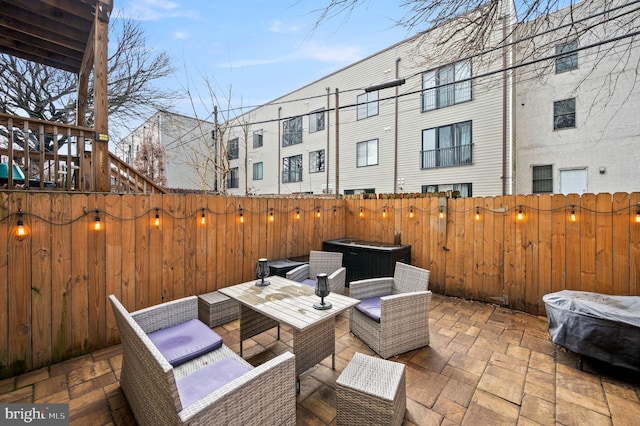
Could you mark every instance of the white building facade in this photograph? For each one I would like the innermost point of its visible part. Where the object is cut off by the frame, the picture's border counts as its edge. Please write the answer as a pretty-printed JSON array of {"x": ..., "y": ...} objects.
[
  {"x": 189, "y": 145},
  {"x": 577, "y": 114}
]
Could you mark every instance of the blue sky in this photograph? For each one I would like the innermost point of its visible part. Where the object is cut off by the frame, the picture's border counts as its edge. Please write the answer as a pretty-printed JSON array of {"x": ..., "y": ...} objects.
[{"x": 259, "y": 49}]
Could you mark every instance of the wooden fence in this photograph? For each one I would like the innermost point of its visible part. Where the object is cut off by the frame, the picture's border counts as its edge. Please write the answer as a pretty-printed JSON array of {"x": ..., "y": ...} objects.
[{"x": 54, "y": 281}]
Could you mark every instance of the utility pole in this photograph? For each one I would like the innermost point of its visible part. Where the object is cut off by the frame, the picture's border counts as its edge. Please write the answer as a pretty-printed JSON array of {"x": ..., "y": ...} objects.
[{"x": 337, "y": 142}]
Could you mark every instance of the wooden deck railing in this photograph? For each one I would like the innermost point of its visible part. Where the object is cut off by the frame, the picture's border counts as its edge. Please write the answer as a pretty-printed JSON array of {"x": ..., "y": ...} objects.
[{"x": 54, "y": 156}]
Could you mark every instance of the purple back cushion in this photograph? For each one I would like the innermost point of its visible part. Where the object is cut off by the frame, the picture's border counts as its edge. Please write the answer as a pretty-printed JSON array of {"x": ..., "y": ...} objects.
[
  {"x": 309, "y": 282},
  {"x": 370, "y": 306},
  {"x": 196, "y": 386},
  {"x": 185, "y": 341}
]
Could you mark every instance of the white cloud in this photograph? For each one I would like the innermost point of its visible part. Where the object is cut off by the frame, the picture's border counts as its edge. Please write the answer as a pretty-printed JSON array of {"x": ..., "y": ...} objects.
[
  {"x": 331, "y": 54},
  {"x": 180, "y": 35},
  {"x": 276, "y": 26},
  {"x": 154, "y": 10}
]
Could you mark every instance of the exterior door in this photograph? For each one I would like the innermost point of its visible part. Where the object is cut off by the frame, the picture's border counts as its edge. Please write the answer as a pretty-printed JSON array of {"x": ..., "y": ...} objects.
[{"x": 573, "y": 181}]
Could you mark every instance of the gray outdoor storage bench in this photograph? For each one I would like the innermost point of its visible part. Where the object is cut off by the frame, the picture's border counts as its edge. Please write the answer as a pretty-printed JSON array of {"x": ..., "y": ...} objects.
[{"x": 175, "y": 372}]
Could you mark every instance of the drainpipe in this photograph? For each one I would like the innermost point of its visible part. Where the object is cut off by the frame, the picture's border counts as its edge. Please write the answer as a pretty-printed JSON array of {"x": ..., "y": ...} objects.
[
  {"x": 504, "y": 105},
  {"x": 337, "y": 143},
  {"x": 395, "y": 133},
  {"x": 279, "y": 144},
  {"x": 326, "y": 157}
]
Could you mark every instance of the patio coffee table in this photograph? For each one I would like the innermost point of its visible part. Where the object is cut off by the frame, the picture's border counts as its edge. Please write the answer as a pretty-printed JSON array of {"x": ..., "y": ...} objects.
[{"x": 291, "y": 303}]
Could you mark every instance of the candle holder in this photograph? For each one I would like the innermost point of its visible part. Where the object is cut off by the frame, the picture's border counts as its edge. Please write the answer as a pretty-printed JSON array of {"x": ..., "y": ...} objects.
[
  {"x": 262, "y": 271},
  {"x": 322, "y": 291}
]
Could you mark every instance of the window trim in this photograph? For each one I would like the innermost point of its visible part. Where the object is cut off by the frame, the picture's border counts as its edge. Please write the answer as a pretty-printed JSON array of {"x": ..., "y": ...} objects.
[
  {"x": 377, "y": 160},
  {"x": 437, "y": 148},
  {"x": 367, "y": 107},
  {"x": 233, "y": 149},
  {"x": 534, "y": 180},
  {"x": 570, "y": 58},
  {"x": 314, "y": 118},
  {"x": 311, "y": 157},
  {"x": 261, "y": 170},
  {"x": 288, "y": 175},
  {"x": 288, "y": 133},
  {"x": 233, "y": 177},
  {"x": 258, "y": 133},
  {"x": 556, "y": 116},
  {"x": 451, "y": 88}
]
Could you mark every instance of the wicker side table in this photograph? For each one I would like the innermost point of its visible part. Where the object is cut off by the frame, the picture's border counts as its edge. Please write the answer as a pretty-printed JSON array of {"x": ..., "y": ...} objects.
[
  {"x": 371, "y": 391},
  {"x": 215, "y": 308}
]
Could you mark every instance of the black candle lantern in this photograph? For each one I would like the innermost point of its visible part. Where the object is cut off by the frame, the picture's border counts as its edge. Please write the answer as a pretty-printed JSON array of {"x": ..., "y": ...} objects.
[
  {"x": 262, "y": 271},
  {"x": 322, "y": 291}
]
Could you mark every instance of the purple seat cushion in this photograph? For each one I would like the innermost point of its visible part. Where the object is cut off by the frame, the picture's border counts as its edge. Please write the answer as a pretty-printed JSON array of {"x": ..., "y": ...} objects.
[
  {"x": 370, "y": 306},
  {"x": 309, "y": 282},
  {"x": 185, "y": 341},
  {"x": 197, "y": 385}
]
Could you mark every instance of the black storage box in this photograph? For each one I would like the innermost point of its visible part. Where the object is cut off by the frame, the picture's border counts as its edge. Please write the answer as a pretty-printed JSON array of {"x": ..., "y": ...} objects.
[{"x": 368, "y": 259}]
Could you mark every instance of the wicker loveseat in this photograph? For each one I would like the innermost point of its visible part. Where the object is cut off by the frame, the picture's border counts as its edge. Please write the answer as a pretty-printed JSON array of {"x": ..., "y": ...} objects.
[
  {"x": 393, "y": 315},
  {"x": 326, "y": 262},
  {"x": 156, "y": 390}
]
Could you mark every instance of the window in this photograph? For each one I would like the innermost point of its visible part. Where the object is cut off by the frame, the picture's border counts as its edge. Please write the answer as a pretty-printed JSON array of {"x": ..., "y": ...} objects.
[
  {"x": 257, "y": 171},
  {"x": 463, "y": 189},
  {"x": 316, "y": 121},
  {"x": 446, "y": 86},
  {"x": 292, "y": 169},
  {"x": 564, "y": 114},
  {"x": 360, "y": 191},
  {"x": 292, "y": 131},
  {"x": 257, "y": 138},
  {"x": 542, "y": 179},
  {"x": 316, "y": 161},
  {"x": 367, "y": 153},
  {"x": 367, "y": 105},
  {"x": 232, "y": 149},
  {"x": 446, "y": 146},
  {"x": 569, "y": 61},
  {"x": 233, "y": 178}
]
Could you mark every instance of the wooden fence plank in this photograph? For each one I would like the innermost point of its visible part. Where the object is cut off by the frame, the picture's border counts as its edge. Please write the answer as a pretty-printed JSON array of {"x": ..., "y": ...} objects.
[
  {"x": 559, "y": 217},
  {"x": 603, "y": 273},
  {"x": 543, "y": 218},
  {"x": 144, "y": 226},
  {"x": 113, "y": 260},
  {"x": 588, "y": 242},
  {"x": 155, "y": 252},
  {"x": 5, "y": 230},
  {"x": 529, "y": 223},
  {"x": 130, "y": 254},
  {"x": 572, "y": 241},
  {"x": 62, "y": 251},
  {"x": 96, "y": 285},
  {"x": 79, "y": 276},
  {"x": 41, "y": 278},
  {"x": 634, "y": 245}
]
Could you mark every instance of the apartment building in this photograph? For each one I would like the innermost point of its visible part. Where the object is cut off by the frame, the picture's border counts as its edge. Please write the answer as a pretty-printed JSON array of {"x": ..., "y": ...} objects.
[
  {"x": 577, "y": 126},
  {"x": 396, "y": 121}
]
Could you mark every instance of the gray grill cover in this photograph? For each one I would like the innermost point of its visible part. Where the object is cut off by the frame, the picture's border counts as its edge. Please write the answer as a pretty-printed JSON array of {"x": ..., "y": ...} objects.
[{"x": 600, "y": 326}]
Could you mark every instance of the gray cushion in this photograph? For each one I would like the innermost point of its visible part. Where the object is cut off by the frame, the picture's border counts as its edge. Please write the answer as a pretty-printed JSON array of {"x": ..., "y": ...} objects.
[
  {"x": 185, "y": 341},
  {"x": 370, "y": 306},
  {"x": 196, "y": 386}
]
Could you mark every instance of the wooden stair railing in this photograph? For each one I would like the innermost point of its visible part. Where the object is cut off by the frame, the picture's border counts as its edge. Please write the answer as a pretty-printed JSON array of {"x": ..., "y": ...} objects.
[{"x": 124, "y": 178}]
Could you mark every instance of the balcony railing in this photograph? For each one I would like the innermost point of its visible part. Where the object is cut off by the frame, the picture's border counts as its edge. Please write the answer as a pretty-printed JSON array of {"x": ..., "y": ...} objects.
[
  {"x": 460, "y": 155},
  {"x": 55, "y": 156}
]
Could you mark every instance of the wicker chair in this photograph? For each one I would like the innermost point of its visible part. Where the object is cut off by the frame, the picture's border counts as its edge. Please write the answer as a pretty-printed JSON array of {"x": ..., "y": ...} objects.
[
  {"x": 327, "y": 262},
  {"x": 403, "y": 302},
  {"x": 262, "y": 395}
]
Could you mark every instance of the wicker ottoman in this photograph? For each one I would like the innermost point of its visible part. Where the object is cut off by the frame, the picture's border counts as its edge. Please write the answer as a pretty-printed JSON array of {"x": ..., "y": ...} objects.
[
  {"x": 371, "y": 391},
  {"x": 215, "y": 308}
]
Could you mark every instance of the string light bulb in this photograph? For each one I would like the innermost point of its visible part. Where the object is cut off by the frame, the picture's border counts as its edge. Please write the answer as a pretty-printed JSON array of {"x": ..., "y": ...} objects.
[
  {"x": 441, "y": 208},
  {"x": 519, "y": 215},
  {"x": 638, "y": 214},
  {"x": 271, "y": 218},
  {"x": 410, "y": 212},
  {"x": 318, "y": 212},
  {"x": 335, "y": 211},
  {"x": 97, "y": 225},
  {"x": 573, "y": 212},
  {"x": 477, "y": 213},
  {"x": 361, "y": 212},
  {"x": 297, "y": 213},
  {"x": 203, "y": 219},
  {"x": 156, "y": 221},
  {"x": 21, "y": 231},
  {"x": 384, "y": 212},
  {"x": 241, "y": 218}
]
